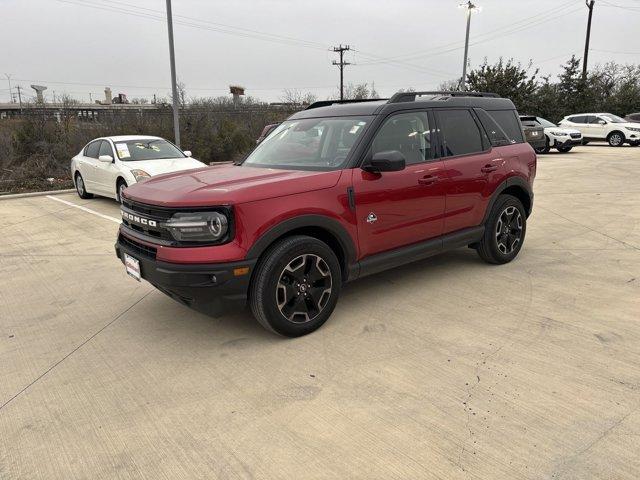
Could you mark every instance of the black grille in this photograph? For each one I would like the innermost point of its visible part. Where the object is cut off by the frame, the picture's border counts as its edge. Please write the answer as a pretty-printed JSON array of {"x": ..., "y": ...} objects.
[
  {"x": 139, "y": 248},
  {"x": 148, "y": 212},
  {"x": 576, "y": 135}
]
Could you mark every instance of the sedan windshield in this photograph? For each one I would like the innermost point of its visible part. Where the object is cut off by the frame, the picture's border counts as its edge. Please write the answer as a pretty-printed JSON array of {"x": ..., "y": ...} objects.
[
  {"x": 147, "y": 149},
  {"x": 309, "y": 144}
]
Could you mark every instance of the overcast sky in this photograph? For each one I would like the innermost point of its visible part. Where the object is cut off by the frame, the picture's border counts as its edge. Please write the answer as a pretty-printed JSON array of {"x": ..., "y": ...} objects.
[{"x": 81, "y": 46}]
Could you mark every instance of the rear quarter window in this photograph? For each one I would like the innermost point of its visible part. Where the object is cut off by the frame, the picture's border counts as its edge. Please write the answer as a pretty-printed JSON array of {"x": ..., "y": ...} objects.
[{"x": 510, "y": 124}]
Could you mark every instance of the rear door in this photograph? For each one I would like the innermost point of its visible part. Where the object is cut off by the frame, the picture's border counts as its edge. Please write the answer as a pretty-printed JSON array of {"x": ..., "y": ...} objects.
[
  {"x": 88, "y": 163},
  {"x": 395, "y": 209},
  {"x": 474, "y": 169}
]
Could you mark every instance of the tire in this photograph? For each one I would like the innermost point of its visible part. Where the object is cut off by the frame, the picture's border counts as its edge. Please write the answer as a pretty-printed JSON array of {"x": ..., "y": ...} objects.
[
  {"x": 564, "y": 149},
  {"x": 616, "y": 139},
  {"x": 545, "y": 149},
  {"x": 634, "y": 144},
  {"x": 120, "y": 185},
  {"x": 81, "y": 190},
  {"x": 290, "y": 268},
  {"x": 494, "y": 247}
]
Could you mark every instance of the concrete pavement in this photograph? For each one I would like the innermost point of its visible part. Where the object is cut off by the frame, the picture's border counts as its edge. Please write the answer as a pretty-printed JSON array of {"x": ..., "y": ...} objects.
[{"x": 447, "y": 368}]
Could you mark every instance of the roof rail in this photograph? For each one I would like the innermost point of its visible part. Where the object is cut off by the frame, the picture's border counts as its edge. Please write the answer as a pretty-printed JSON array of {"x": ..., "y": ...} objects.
[
  {"x": 326, "y": 103},
  {"x": 411, "y": 96}
]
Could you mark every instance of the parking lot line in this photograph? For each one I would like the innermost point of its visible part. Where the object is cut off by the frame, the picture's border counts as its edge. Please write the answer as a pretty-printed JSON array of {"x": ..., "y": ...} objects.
[{"x": 85, "y": 209}]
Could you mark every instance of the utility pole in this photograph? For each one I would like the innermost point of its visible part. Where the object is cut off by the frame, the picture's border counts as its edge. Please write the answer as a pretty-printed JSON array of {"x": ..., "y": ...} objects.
[
  {"x": 10, "y": 90},
  {"x": 19, "y": 97},
  {"x": 341, "y": 64},
  {"x": 589, "y": 4},
  {"x": 174, "y": 85},
  {"x": 470, "y": 7}
]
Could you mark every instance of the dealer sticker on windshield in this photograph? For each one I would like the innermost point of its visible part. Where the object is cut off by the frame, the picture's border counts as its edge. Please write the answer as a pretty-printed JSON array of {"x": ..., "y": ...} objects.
[
  {"x": 132, "y": 266},
  {"x": 123, "y": 150}
]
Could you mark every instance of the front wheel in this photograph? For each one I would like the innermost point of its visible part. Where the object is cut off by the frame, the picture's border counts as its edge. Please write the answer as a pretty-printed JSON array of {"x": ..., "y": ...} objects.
[
  {"x": 504, "y": 231},
  {"x": 564, "y": 149},
  {"x": 545, "y": 149},
  {"x": 295, "y": 286},
  {"x": 119, "y": 189},
  {"x": 615, "y": 139}
]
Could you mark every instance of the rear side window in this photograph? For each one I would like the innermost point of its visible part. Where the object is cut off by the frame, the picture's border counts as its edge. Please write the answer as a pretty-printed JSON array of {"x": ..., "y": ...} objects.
[
  {"x": 497, "y": 135},
  {"x": 92, "y": 149},
  {"x": 459, "y": 133},
  {"x": 510, "y": 123}
]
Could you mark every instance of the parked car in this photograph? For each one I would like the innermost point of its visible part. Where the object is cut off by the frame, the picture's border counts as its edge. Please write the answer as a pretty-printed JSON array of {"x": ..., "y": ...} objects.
[
  {"x": 604, "y": 127},
  {"x": 562, "y": 139},
  {"x": 343, "y": 190},
  {"x": 633, "y": 117},
  {"x": 533, "y": 132},
  {"x": 108, "y": 165},
  {"x": 266, "y": 131}
]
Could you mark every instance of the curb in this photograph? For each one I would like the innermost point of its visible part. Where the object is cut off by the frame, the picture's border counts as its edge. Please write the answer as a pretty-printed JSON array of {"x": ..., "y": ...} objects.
[{"x": 36, "y": 194}]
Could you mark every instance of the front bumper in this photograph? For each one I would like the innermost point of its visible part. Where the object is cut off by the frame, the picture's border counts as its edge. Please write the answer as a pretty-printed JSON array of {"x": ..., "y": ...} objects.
[
  {"x": 208, "y": 288},
  {"x": 566, "y": 141}
]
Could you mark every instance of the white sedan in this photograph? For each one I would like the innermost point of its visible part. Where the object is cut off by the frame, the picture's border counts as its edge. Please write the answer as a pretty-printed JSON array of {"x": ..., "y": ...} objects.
[{"x": 108, "y": 165}]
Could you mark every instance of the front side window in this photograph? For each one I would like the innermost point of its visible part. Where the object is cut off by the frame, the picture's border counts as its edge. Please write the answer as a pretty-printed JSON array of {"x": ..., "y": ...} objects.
[
  {"x": 147, "y": 149},
  {"x": 105, "y": 149},
  {"x": 407, "y": 133},
  {"x": 309, "y": 144},
  {"x": 510, "y": 123},
  {"x": 459, "y": 133}
]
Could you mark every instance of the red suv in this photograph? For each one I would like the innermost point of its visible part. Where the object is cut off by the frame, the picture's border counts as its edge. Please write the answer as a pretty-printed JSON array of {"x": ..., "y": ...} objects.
[{"x": 336, "y": 192}]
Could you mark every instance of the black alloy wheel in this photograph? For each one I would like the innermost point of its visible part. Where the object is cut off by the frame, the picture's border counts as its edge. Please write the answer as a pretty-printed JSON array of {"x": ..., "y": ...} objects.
[
  {"x": 509, "y": 230},
  {"x": 304, "y": 288}
]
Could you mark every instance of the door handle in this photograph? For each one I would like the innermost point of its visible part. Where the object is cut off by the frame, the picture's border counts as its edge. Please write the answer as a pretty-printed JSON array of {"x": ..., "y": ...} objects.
[
  {"x": 489, "y": 168},
  {"x": 428, "y": 180}
]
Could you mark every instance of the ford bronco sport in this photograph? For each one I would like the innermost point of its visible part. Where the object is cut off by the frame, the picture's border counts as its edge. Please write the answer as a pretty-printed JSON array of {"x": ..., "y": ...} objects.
[{"x": 336, "y": 192}]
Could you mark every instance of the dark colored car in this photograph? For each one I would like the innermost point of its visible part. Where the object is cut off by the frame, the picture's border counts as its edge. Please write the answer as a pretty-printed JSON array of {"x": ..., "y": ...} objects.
[
  {"x": 343, "y": 190},
  {"x": 533, "y": 132},
  {"x": 266, "y": 131}
]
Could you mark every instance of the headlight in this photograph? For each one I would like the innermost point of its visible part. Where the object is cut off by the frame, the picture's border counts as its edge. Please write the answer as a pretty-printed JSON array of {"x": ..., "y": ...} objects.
[
  {"x": 559, "y": 134},
  {"x": 633, "y": 129},
  {"x": 140, "y": 175},
  {"x": 202, "y": 227}
]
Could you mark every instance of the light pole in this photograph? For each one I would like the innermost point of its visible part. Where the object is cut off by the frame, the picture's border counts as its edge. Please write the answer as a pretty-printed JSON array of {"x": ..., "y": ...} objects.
[
  {"x": 174, "y": 86},
  {"x": 470, "y": 7}
]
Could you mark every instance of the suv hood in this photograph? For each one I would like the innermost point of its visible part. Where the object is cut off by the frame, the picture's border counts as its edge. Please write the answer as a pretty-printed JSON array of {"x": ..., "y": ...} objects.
[
  {"x": 164, "y": 165},
  {"x": 227, "y": 184}
]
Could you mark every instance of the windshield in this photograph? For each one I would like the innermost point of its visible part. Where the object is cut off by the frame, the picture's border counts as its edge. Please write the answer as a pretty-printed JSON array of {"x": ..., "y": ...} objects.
[
  {"x": 613, "y": 118},
  {"x": 545, "y": 123},
  {"x": 147, "y": 149},
  {"x": 309, "y": 144}
]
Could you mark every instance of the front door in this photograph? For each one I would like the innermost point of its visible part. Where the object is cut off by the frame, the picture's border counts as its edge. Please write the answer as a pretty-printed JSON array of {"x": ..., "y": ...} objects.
[
  {"x": 106, "y": 172},
  {"x": 88, "y": 164},
  {"x": 394, "y": 209},
  {"x": 473, "y": 168}
]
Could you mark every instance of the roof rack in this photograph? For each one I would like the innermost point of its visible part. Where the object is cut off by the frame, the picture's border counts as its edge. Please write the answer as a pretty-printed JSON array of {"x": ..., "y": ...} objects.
[
  {"x": 326, "y": 103},
  {"x": 411, "y": 96}
]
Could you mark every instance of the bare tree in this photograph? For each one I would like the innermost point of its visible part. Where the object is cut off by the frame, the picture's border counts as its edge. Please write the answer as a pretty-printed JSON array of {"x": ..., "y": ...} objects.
[{"x": 297, "y": 97}]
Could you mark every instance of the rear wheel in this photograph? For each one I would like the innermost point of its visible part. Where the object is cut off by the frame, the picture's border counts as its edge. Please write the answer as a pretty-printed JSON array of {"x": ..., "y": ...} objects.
[
  {"x": 616, "y": 139},
  {"x": 81, "y": 188},
  {"x": 564, "y": 149},
  {"x": 295, "y": 286},
  {"x": 504, "y": 231}
]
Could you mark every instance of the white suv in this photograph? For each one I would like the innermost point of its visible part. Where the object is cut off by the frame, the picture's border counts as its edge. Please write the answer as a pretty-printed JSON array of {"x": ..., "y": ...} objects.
[{"x": 604, "y": 127}]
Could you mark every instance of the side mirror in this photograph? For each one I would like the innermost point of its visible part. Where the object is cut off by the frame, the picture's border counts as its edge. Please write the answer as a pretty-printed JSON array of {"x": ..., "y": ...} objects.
[
  {"x": 187, "y": 153},
  {"x": 105, "y": 158},
  {"x": 389, "y": 161},
  {"x": 601, "y": 122}
]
